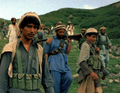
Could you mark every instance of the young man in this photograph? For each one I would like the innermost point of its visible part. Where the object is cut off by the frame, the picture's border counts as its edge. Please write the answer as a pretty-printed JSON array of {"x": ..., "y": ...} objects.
[
  {"x": 81, "y": 40},
  {"x": 40, "y": 36},
  {"x": 104, "y": 44},
  {"x": 23, "y": 66},
  {"x": 12, "y": 30},
  {"x": 56, "y": 50},
  {"x": 89, "y": 65}
]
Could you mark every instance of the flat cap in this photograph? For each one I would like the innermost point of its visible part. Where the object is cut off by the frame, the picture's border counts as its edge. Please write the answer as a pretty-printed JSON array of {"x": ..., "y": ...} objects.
[
  {"x": 58, "y": 27},
  {"x": 83, "y": 29},
  {"x": 91, "y": 30},
  {"x": 69, "y": 22},
  {"x": 28, "y": 14},
  {"x": 103, "y": 28}
]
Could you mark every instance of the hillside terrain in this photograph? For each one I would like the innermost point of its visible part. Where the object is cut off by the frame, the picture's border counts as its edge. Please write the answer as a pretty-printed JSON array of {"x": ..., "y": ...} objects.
[{"x": 107, "y": 16}]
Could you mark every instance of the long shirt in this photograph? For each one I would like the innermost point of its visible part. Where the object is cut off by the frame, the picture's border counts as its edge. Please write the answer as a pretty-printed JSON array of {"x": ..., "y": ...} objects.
[
  {"x": 58, "y": 62},
  {"x": 29, "y": 65},
  {"x": 12, "y": 33}
]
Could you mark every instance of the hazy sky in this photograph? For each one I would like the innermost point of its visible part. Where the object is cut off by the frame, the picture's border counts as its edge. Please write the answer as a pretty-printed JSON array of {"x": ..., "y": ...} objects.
[{"x": 16, "y": 8}]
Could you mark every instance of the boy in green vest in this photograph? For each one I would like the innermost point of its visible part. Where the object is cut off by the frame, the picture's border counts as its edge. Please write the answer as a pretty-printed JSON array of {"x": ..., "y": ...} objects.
[{"x": 89, "y": 65}]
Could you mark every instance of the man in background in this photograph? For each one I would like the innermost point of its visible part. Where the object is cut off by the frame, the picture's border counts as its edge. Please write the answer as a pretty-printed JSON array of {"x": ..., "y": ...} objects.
[
  {"x": 56, "y": 50},
  {"x": 103, "y": 43},
  {"x": 40, "y": 36},
  {"x": 70, "y": 28},
  {"x": 4, "y": 27},
  {"x": 12, "y": 30}
]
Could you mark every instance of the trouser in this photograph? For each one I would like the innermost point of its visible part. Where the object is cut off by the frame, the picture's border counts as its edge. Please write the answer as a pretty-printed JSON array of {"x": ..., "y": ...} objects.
[
  {"x": 61, "y": 81},
  {"x": 88, "y": 86},
  {"x": 3, "y": 33},
  {"x": 105, "y": 59}
]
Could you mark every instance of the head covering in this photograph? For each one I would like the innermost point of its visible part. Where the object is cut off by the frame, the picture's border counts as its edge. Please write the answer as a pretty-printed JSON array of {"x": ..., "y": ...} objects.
[
  {"x": 28, "y": 14},
  {"x": 69, "y": 22},
  {"x": 103, "y": 28},
  {"x": 59, "y": 22},
  {"x": 91, "y": 30},
  {"x": 58, "y": 27},
  {"x": 83, "y": 29}
]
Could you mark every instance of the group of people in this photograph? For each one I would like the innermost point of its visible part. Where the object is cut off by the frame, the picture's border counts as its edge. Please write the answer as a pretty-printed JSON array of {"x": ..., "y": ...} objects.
[{"x": 25, "y": 65}]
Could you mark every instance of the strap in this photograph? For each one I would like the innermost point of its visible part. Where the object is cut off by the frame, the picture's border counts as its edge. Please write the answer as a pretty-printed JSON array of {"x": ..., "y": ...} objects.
[
  {"x": 92, "y": 51},
  {"x": 57, "y": 50},
  {"x": 20, "y": 68},
  {"x": 37, "y": 59}
]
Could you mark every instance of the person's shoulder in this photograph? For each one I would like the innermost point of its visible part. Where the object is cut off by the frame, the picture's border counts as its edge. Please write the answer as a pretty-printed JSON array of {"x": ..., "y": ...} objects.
[
  {"x": 10, "y": 24},
  {"x": 49, "y": 40},
  {"x": 9, "y": 47},
  {"x": 85, "y": 45}
]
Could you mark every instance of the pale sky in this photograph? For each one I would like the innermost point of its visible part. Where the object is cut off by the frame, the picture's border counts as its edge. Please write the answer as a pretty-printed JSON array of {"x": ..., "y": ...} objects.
[{"x": 16, "y": 8}]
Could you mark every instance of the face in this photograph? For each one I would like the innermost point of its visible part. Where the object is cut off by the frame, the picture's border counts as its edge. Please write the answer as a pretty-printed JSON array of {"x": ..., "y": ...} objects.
[
  {"x": 91, "y": 38},
  {"x": 41, "y": 27},
  {"x": 60, "y": 33},
  {"x": 83, "y": 31},
  {"x": 29, "y": 31},
  {"x": 102, "y": 31},
  {"x": 13, "y": 21}
]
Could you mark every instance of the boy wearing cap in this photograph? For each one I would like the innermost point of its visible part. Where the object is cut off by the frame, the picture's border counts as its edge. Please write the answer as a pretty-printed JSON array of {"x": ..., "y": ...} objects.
[
  {"x": 89, "y": 65},
  {"x": 103, "y": 43},
  {"x": 23, "y": 66},
  {"x": 56, "y": 50}
]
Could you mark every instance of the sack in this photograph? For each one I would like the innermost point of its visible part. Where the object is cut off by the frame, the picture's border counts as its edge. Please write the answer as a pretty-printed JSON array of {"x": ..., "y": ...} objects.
[
  {"x": 21, "y": 81},
  {"x": 28, "y": 82}
]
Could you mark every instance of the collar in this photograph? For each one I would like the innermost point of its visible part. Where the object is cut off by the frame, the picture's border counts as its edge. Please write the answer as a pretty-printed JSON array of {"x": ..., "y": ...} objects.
[
  {"x": 56, "y": 38},
  {"x": 90, "y": 44},
  {"x": 103, "y": 35},
  {"x": 19, "y": 42}
]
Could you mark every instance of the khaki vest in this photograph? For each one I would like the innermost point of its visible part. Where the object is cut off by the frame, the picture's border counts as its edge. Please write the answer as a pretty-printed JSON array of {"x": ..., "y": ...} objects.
[{"x": 11, "y": 47}]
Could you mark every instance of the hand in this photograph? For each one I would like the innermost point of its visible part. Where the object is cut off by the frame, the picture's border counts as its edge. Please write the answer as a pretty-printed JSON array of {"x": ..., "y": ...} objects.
[
  {"x": 97, "y": 49},
  {"x": 103, "y": 77},
  {"x": 94, "y": 76},
  {"x": 69, "y": 40},
  {"x": 109, "y": 46}
]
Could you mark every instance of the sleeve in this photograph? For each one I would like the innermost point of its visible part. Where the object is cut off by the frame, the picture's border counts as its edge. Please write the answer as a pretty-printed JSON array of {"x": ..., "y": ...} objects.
[
  {"x": 5, "y": 61},
  {"x": 47, "y": 48},
  {"x": 83, "y": 57},
  {"x": 47, "y": 81},
  {"x": 9, "y": 31},
  {"x": 109, "y": 42},
  {"x": 43, "y": 37}
]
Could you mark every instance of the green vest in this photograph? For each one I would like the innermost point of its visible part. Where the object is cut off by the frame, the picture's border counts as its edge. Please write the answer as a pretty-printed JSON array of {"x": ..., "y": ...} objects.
[
  {"x": 24, "y": 81},
  {"x": 94, "y": 61}
]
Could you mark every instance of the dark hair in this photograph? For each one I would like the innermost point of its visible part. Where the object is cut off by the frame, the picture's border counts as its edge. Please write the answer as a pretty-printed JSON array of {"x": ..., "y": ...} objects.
[
  {"x": 89, "y": 34},
  {"x": 13, "y": 19},
  {"x": 29, "y": 20}
]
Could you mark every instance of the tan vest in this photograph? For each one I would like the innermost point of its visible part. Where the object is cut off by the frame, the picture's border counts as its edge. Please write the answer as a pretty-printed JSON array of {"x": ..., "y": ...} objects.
[{"x": 11, "y": 47}]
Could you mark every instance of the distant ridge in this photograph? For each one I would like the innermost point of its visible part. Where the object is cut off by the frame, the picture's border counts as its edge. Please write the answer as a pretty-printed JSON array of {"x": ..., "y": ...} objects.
[{"x": 117, "y": 4}]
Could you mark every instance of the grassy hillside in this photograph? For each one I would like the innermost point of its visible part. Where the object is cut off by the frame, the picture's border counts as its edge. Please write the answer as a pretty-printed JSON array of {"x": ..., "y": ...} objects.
[
  {"x": 108, "y": 87},
  {"x": 107, "y": 16}
]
